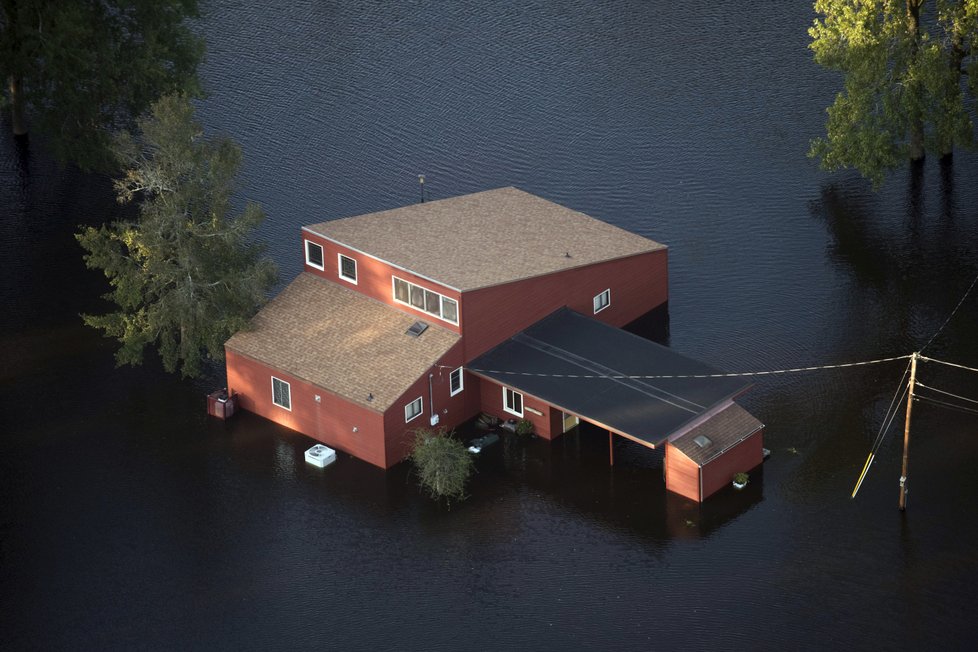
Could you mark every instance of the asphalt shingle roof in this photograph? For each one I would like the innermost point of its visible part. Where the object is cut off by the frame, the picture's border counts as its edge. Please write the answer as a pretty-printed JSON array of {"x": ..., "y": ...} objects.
[
  {"x": 724, "y": 430},
  {"x": 485, "y": 239},
  {"x": 342, "y": 341}
]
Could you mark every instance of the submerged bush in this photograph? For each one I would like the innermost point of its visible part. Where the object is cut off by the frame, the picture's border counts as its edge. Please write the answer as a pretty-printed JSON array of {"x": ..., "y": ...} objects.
[
  {"x": 443, "y": 464},
  {"x": 524, "y": 427}
]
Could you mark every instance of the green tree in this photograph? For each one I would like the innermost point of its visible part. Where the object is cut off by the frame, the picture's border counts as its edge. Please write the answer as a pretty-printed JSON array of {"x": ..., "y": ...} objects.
[
  {"x": 184, "y": 275},
  {"x": 443, "y": 464},
  {"x": 910, "y": 77},
  {"x": 84, "y": 68}
]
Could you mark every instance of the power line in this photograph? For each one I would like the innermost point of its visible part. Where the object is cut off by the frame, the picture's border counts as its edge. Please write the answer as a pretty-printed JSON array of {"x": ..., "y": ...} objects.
[
  {"x": 950, "y": 364},
  {"x": 934, "y": 336},
  {"x": 663, "y": 376},
  {"x": 941, "y": 391},
  {"x": 945, "y": 404}
]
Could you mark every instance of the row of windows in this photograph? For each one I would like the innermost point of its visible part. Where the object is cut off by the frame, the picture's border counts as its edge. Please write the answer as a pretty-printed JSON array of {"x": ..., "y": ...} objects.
[
  {"x": 282, "y": 395},
  {"x": 425, "y": 300},
  {"x": 346, "y": 266}
]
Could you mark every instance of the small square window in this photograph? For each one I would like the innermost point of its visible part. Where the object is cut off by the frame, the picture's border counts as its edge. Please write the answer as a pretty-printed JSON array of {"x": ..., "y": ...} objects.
[
  {"x": 281, "y": 394},
  {"x": 455, "y": 382},
  {"x": 314, "y": 255},
  {"x": 413, "y": 409},
  {"x": 348, "y": 268},
  {"x": 512, "y": 402},
  {"x": 602, "y": 301}
]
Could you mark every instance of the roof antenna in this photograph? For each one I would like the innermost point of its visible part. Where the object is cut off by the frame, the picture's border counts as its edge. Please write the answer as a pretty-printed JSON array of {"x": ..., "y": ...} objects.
[{"x": 421, "y": 181}]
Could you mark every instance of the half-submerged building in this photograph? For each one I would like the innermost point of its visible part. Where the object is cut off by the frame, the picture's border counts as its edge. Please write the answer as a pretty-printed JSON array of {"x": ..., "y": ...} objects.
[{"x": 499, "y": 302}]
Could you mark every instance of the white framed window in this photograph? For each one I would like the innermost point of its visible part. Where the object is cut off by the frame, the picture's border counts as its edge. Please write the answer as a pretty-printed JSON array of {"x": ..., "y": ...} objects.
[
  {"x": 512, "y": 402},
  {"x": 425, "y": 300},
  {"x": 602, "y": 301},
  {"x": 281, "y": 394},
  {"x": 413, "y": 409},
  {"x": 347, "y": 268},
  {"x": 455, "y": 382},
  {"x": 314, "y": 255}
]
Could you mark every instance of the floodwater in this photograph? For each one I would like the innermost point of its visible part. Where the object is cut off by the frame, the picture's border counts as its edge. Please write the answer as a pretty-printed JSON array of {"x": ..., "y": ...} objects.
[{"x": 129, "y": 520}]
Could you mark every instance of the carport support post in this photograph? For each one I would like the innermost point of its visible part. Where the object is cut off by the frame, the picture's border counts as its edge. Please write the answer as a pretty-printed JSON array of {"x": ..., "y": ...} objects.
[{"x": 611, "y": 448}]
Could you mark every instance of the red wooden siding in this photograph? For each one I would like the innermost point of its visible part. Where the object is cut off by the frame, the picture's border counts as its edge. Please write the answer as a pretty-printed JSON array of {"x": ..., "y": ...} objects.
[
  {"x": 638, "y": 284},
  {"x": 374, "y": 278},
  {"x": 546, "y": 425},
  {"x": 745, "y": 456},
  {"x": 683, "y": 474},
  {"x": 331, "y": 420}
]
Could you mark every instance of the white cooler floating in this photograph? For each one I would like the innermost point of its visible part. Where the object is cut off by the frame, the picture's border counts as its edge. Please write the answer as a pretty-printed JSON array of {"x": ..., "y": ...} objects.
[{"x": 321, "y": 455}]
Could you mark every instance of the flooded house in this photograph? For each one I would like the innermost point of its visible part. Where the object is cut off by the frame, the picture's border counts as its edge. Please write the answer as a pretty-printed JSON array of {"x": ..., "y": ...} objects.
[{"x": 496, "y": 302}]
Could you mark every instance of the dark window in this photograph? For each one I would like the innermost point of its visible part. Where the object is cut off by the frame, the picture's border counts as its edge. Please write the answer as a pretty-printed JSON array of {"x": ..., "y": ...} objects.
[
  {"x": 417, "y": 297},
  {"x": 512, "y": 401},
  {"x": 348, "y": 268},
  {"x": 314, "y": 254},
  {"x": 449, "y": 310},
  {"x": 455, "y": 382},
  {"x": 402, "y": 291},
  {"x": 281, "y": 394},
  {"x": 432, "y": 302}
]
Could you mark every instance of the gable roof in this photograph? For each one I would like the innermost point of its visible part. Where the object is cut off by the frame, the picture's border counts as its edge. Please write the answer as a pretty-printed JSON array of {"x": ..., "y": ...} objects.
[
  {"x": 342, "y": 341},
  {"x": 484, "y": 239},
  {"x": 575, "y": 363}
]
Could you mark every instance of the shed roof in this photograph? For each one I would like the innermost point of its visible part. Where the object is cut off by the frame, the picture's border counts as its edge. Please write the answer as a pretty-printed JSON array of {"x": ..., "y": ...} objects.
[
  {"x": 484, "y": 239},
  {"x": 577, "y": 364},
  {"x": 342, "y": 341},
  {"x": 722, "y": 432}
]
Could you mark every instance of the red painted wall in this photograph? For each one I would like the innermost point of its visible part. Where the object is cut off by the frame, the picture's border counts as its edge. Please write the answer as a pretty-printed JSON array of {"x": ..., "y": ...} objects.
[
  {"x": 374, "y": 278},
  {"x": 683, "y": 474},
  {"x": 745, "y": 456},
  {"x": 451, "y": 410},
  {"x": 330, "y": 421},
  {"x": 638, "y": 284},
  {"x": 491, "y": 397}
]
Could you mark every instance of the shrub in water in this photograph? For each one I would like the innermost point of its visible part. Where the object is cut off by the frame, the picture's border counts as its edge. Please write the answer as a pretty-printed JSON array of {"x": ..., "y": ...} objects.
[
  {"x": 443, "y": 464},
  {"x": 524, "y": 427}
]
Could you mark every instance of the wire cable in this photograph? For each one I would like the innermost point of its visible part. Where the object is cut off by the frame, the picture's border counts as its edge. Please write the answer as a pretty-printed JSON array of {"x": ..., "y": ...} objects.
[
  {"x": 934, "y": 336},
  {"x": 724, "y": 375},
  {"x": 941, "y": 391},
  {"x": 950, "y": 364},
  {"x": 942, "y": 403}
]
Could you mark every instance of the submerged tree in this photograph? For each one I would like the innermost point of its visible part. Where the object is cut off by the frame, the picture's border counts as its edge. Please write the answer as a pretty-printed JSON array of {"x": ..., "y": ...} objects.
[
  {"x": 911, "y": 79},
  {"x": 79, "y": 69},
  {"x": 184, "y": 275},
  {"x": 443, "y": 464}
]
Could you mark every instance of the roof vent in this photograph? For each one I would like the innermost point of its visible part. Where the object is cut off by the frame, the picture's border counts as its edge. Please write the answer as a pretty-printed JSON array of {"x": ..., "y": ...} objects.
[
  {"x": 702, "y": 441},
  {"x": 417, "y": 328}
]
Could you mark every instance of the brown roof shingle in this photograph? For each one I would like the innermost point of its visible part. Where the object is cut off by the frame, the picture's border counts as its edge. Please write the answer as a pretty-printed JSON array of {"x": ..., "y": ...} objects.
[
  {"x": 484, "y": 239},
  {"x": 724, "y": 430},
  {"x": 342, "y": 341}
]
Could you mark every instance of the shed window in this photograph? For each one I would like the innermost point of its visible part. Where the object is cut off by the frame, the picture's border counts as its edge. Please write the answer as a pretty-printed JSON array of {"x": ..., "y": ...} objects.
[
  {"x": 314, "y": 255},
  {"x": 281, "y": 394},
  {"x": 348, "y": 268},
  {"x": 602, "y": 301},
  {"x": 413, "y": 409},
  {"x": 512, "y": 402},
  {"x": 455, "y": 382}
]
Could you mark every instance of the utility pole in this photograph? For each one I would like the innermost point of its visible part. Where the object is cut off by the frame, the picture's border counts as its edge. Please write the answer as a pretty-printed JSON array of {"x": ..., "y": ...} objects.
[
  {"x": 906, "y": 432},
  {"x": 421, "y": 181}
]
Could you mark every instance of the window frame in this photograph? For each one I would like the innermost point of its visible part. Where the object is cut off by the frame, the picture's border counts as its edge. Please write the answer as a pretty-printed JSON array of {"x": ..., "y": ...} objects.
[
  {"x": 288, "y": 393},
  {"x": 420, "y": 402},
  {"x": 322, "y": 255},
  {"x": 506, "y": 392},
  {"x": 461, "y": 382},
  {"x": 424, "y": 292},
  {"x": 597, "y": 297},
  {"x": 339, "y": 268}
]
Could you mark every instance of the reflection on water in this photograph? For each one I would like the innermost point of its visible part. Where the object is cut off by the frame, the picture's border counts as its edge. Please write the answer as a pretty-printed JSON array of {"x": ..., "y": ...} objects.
[{"x": 129, "y": 519}]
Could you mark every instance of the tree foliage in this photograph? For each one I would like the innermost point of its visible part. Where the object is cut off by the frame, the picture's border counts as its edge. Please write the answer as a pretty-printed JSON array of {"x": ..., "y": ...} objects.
[
  {"x": 443, "y": 464},
  {"x": 910, "y": 75},
  {"x": 84, "y": 68},
  {"x": 184, "y": 275}
]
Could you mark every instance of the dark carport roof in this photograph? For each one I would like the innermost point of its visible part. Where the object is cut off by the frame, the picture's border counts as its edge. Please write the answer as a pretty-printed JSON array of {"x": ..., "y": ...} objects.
[{"x": 577, "y": 364}]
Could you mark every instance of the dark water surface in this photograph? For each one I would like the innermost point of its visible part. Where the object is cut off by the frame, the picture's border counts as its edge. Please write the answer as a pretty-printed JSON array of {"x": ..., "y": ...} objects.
[{"x": 128, "y": 519}]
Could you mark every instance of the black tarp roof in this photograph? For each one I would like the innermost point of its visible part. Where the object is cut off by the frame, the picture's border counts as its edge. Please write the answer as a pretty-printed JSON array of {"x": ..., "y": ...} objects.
[{"x": 570, "y": 361}]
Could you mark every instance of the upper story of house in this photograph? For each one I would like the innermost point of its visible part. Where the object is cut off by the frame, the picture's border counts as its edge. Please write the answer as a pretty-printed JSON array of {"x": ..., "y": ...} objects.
[{"x": 489, "y": 264}]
